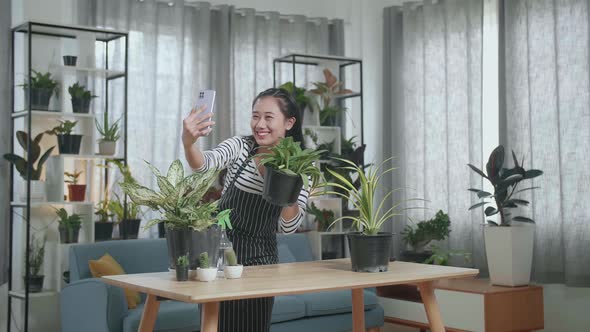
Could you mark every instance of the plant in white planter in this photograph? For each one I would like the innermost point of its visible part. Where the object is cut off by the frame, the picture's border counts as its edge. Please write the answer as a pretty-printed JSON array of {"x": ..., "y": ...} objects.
[
  {"x": 206, "y": 272},
  {"x": 232, "y": 270},
  {"x": 107, "y": 145},
  {"x": 509, "y": 247}
]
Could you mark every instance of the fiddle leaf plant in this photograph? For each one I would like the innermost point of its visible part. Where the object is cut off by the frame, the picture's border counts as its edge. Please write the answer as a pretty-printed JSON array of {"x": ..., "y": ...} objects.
[
  {"x": 34, "y": 164},
  {"x": 505, "y": 182}
]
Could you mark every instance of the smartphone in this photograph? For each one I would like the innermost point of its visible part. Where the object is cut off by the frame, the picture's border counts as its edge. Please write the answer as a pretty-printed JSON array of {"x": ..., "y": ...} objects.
[{"x": 206, "y": 97}]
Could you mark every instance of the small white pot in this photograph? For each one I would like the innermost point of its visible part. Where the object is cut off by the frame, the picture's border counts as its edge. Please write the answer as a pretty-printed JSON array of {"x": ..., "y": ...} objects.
[
  {"x": 233, "y": 271},
  {"x": 509, "y": 251},
  {"x": 208, "y": 274},
  {"x": 107, "y": 148}
]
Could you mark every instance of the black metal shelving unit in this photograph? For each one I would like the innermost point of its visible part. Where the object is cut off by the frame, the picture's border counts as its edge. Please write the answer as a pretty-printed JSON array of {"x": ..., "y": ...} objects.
[{"x": 31, "y": 31}]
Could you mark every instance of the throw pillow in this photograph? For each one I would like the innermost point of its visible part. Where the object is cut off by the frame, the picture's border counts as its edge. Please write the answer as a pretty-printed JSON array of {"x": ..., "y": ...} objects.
[{"x": 108, "y": 266}]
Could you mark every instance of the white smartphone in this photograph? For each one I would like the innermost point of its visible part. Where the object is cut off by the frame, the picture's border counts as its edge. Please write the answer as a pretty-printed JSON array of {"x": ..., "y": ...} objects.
[{"x": 206, "y": 97}]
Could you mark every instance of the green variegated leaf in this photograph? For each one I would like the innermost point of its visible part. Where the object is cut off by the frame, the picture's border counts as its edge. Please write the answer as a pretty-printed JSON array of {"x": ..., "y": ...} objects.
[
  {"x": 165, "y": 187},
  {"x": 175, "y": 172},
  {"x": 154, "y": 170}
]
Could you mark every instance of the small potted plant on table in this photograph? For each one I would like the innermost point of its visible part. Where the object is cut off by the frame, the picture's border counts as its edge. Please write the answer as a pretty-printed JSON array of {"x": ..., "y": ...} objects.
[
  {"x": 232, "y": 270},
  {"x": 206, "y": 272},
  {"x": 182, "y": 268}
]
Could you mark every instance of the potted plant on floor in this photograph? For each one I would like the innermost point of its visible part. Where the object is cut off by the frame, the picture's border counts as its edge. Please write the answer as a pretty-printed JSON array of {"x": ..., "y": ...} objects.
[
  {"x": 182, "y": 268},
  {"x": 69, "y": 226},
  {"x": 206, "y": 272},
  {"x": 287, "y": 169},
  {"x": 80, "y": 98},
  {"x": 232, "y": 270},
  {"x": 41, "y": 89},
  {"x": 417, "y": 238},
  {"x": 36, "y": 256},
  {"x": 35, "y": 166},
  {"x": 327, "y": 91},
  {"x": 67, "y": 142},
  {"x": 103, "y": 228},
  {"x": 107, "y": 145},
  {"x": 509, "y": 246},
  {"x": 190, "y": 223},
  {"x": 76, "y": 192}
]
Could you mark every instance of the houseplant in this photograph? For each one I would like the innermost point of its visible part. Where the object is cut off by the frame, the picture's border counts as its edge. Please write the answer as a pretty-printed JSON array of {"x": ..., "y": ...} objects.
[
  {"x": 327, "y": 91},
  {"x": 33, "y": 169},
  {"x": 41, "y": 89},
  {"x": 107, "y": 145},
  {"x": 323, "y": 217},
  {"x": 185, "y": 216},
  {"x": 417, "y": 238},
  {"x": 287, "y": 168},
  {"x": 67, "y": 142},
  {"x": 76, "y": 192},
  {"x": 80, "y": 98},
  {"x": 206, "y": 272},
  {"x": 36, "y": 255},
  {"x": 232, "y": 270},
  {"x": 128, "y": 215},
  {"x": 69, "y": 226},
  {"x": 509, "y": 247},
  {"x": 182, "y": 268},
  {"x": 103, "y": 228}
]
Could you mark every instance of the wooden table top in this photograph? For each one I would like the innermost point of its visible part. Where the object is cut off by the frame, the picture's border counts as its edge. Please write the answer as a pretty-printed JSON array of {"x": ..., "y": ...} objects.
[{"x": 284, "y": 279}]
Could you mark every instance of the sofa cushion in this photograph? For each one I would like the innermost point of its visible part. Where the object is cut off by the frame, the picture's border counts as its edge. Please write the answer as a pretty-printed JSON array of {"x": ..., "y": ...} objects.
[
  {"x": 108, "y": 266},
  {"x": 172, "y": 315},
  {"x": 287, "y": 307},
  {"x": 285, "y": 255},
  {"x": 334, "y": 302},
  {"x": 298, "y": 244}
]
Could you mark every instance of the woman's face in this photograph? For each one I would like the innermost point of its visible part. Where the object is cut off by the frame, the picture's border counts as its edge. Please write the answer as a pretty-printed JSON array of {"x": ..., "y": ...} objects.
[{"x": 268, "y": 123}]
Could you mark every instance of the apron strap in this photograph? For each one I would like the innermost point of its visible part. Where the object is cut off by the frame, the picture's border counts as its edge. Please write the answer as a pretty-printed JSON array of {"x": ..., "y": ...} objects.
[{"x": 242, "y": 166}]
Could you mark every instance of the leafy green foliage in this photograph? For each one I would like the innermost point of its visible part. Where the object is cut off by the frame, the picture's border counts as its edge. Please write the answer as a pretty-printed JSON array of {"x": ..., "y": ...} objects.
[
  {"x": 328, "y": 115},
  {"x": 117, "y": 207},
  {"x": 230, "y": 257},
  {"x": 178, "y": 198},
  {"x": 66, "y": 221},
  {"x": 327, "y": 91},
  {"x": 299, "y": 93},
  {"x": 204, "y": 260},
  {"x": 437, "y": 229},
  {"x": 323, "y": 217},
  {"x": 102, "y": 211},
  {"x": 442, "y": 256},
  {"x": 182, "y": 261},
  {"x": 42, "y": 81},
  {"x": 78, "y": 91},
  {"x": 64, "y": 128},
  {"x": 287, "y": 157},
  {"x": 109, "y": 132},
  {"x": 72, "y": 177},
  {"x": 505, "y": 182},
  {"x": 21, "y": 163},
  {"x": 36, "y": 255}
]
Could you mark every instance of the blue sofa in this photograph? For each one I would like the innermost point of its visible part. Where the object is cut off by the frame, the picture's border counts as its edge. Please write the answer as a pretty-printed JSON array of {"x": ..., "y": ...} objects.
[{"x": 88, "y": 304}]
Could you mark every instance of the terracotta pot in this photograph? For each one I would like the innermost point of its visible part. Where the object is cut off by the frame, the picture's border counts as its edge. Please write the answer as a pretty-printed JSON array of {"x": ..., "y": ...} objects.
[{"x": 76, "y": 192}]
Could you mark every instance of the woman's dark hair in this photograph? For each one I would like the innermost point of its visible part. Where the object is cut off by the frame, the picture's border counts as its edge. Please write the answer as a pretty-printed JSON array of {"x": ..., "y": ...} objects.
[{"x": 288, "y": 107}]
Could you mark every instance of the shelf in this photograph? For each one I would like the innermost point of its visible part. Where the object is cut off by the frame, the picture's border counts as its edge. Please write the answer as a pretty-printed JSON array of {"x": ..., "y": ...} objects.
[
  {"x": 331, "y": 233},
  {"x": 68, "y": 31},
  {"x": 308, "y": 59},
  {"x": 20, "y": 294},
  {"x": 52, "y": 114},
  {"x": 39, "y": 204},
  {"x": 87, "y": 156},
  {"x": 109, "y": 74}
]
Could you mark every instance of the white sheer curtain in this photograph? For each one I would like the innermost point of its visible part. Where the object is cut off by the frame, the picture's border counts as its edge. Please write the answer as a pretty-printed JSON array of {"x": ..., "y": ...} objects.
[
  {"x": 548, "y": 121},
  {"x": 432, "y": 99},
  {"x": 5, "y": 56}
]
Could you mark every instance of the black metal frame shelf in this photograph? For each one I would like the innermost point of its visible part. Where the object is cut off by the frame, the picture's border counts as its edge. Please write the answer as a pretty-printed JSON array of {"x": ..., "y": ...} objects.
[{"x": 31, "y": 29}]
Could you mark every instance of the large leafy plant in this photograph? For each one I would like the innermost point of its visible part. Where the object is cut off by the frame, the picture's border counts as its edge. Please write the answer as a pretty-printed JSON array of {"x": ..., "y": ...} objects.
[
  {"x": 289, "y": 158},
  {"x": 42, "y": 81},
  {"x": 68, "y": 221},
  {"x": 435, "y": 229},
  {"x": 327, "y": 91},
  {"x": 22, "y": 164},
  {"x": 78, "y": 91},
  {"x": 178, "y": 198},
  {"x": 505, "y": 182}
]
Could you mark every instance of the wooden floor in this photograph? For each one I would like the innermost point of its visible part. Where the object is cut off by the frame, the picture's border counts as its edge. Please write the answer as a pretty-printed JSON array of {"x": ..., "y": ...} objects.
[{"x": 397, "y": 328}]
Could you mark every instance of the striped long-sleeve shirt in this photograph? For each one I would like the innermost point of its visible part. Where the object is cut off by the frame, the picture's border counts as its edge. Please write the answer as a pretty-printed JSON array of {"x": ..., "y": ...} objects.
[{"x": 230, "y": 155}]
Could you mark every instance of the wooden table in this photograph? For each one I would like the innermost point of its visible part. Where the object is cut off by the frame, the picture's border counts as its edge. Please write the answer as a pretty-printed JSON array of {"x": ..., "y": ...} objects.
[{"x": 285, "y": 279}]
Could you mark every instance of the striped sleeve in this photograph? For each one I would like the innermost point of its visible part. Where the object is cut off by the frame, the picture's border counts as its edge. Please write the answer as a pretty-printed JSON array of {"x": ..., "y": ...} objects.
[
  {"x": 290, "y": 226},
  {"x": 225, "y": 154}
]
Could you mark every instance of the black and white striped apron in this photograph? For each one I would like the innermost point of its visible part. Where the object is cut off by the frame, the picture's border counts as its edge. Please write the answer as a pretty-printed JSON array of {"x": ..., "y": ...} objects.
[{"x": 254, "y": 222}]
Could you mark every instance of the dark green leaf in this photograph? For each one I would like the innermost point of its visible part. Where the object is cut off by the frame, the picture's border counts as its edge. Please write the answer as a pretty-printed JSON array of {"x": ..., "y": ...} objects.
[
  {"x": 532, "y": 173},
  {"x": 477, "y": 170},
  {"x": 478, "y": 205},
  {"x": 474, "y": 190},
  {"x": 514, "y": 158},
  {"x": 491, "y": 222},
  {"x": 490, "y": 211},
  {"x": 523, "y": 219},
  {"x": 517, "y": 202},
  {"x": 483, "y": 194},
  {"x": 525, "y": 189},
  {"x": 495, "y": 162}
]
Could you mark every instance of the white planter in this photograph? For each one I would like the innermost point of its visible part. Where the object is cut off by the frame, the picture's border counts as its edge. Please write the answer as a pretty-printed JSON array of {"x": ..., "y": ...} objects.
[
  {"x": 233, "y": 271},
  {"x": 38, "y": 191},
  {"x": 107, "y": 148},
  {"x": 208, "y": 274},
  {"x": 509, "y": 251}
]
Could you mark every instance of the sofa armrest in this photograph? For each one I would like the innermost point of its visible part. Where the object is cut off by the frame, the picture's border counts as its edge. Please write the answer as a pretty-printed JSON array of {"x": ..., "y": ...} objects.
[{"x": 92, "y": 305}]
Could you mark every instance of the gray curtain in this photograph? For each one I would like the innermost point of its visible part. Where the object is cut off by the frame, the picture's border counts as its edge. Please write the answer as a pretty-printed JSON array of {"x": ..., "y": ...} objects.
[
  {"x": 177, "y": 48},
  {"x": 5, "y": 62},
  {"x": 432, "y": 100},
  {"x": 548, "y": 122}
]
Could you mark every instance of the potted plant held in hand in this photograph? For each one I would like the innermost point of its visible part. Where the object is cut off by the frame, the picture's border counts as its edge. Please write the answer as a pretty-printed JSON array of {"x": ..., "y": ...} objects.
[
  {"x": 76, "y": 192},
  {"x": 67, "y": 142},
  {"x": 36, "y": 256},
  {"x": 509, "y": 247},
  {"x": 35, "y": 164},
  {"x": 41, "y": 89},
  {"x": 206, "y": 272},
  {"x": 287, "y": 169},
  {"x": 418, "y": 238},
  {"x": 103, "y": 228},
  {"x": 107, "y": 145},
  {"x": 232, "y": 270},
  {"x": 80, "y": 98},
  {"x": 69, "y": 226},
  {"x": 182, "y": 268}
]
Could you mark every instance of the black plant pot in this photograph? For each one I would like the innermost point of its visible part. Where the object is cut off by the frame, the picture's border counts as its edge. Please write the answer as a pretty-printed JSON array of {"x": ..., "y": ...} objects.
[
  {"x": 182, "y": 273},
  {"x": 179, "y": 243},
  {"x": 279, "y": 188},
  {"x": 39, "y": 98},
  {"x": 70, "y": 60},
  {"x": 204, "y": 241},
  {"x": 129, "y": 228},
  {"x": 69, "y": 144},
  {"x": 415, "y": 256},
  {"x": 369, "y": 253},
  {"x": 35, "y": 283},
  {"x": 161, "y": 230},
  {"x": 103, "y": 231},
  {"x": 80, "y": 105},
  {"x": 68, "y": 235}
]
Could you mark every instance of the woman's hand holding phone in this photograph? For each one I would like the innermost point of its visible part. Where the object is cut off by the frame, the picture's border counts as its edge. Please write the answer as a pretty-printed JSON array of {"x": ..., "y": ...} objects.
[{"x": 196, "y": 125}]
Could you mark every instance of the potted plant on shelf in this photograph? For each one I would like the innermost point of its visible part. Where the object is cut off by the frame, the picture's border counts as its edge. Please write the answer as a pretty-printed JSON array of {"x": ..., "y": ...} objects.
[
  {"x": 206, "y": 272},
  {"x": 36, "y": 255},
  {"x": 287, "y": 169},
  {"x": 323, "y": 217},
  {"x": 67, "y": 142},
  {"x": 80, "y": 98},
  {"x": 76, "y": 192},
  {"x": 107, "y": 145},
  {"x": 35, "y": 166},
  {"x": 509, "y": 247},
  {"x": 417, "y": 238},
  {"x": 232, "y": 270},
  {"x": 327, "y": 91},
  {"x": 103, "y": 228},
  {"x": 182, "y": 268},
  {"x": 128, "y": 215},
  {"x": 191, "y": 225},
  {"x": 41, "y": 88},
  {"x": 70, "y": 60},
  {"x": 69, "y": 226}
]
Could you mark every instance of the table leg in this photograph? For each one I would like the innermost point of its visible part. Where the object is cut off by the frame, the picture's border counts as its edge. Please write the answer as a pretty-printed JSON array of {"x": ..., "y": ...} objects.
[
  {"x": 358, "y": 310},
  {"x": 150, "y": 313},
  {"x": 431, "y": 307},
  {"x": 209, "y": 316}
]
